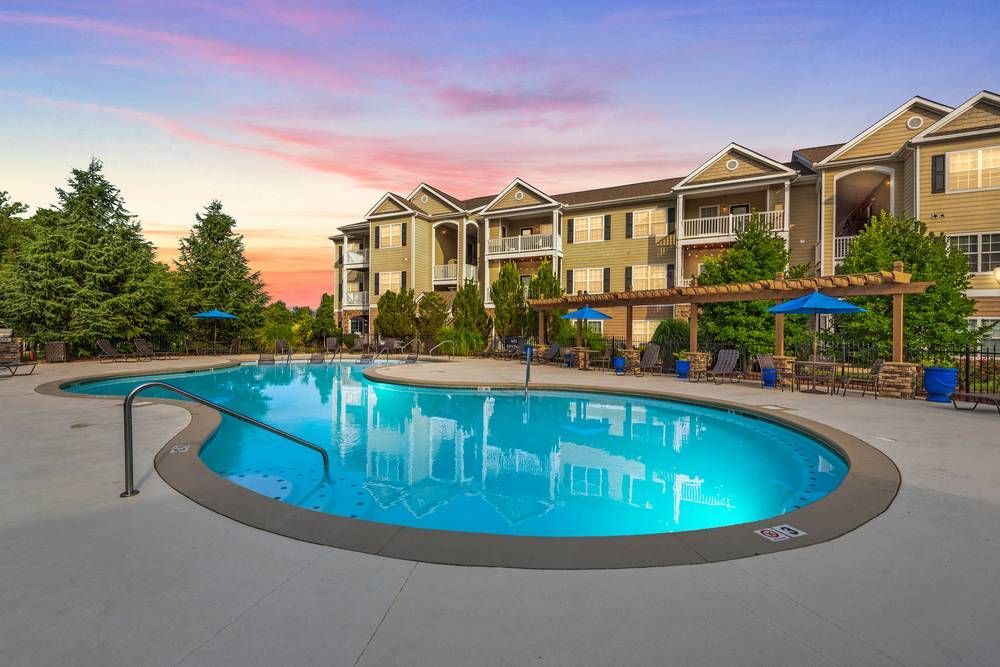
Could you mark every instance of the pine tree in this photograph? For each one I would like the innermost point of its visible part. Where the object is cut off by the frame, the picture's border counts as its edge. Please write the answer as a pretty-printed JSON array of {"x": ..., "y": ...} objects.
[
  {"x": 432, "y": 313},
  {"x": 397, "y": 314},
  {"x": 510, "y": 310},
  {"x": 88, "y": 272},
  {"x": 934, "y": 319},
  {"x": 468, "y": 311},
  {"x": 325, "y": 322},
  {"x": 545, "y": 285},
  {"x": 276, "y": 322},
  {"x": 15, "y": 230},
  {"x": 213, "y": 272}
]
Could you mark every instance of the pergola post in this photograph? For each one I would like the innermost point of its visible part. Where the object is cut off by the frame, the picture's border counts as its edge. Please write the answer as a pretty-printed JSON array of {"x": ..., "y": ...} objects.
[
  {"x": 693, "y": 329},
  {"x": 628, "y": 326},
  {"x": 541, "y": 326},
  {"x": 897, "y": 327},
  {"x": 779, "y": 334}
]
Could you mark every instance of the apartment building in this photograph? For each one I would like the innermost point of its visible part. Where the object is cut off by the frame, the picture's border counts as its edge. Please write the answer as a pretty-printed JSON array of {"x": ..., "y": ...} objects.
[{"x": 936, "y": 162}]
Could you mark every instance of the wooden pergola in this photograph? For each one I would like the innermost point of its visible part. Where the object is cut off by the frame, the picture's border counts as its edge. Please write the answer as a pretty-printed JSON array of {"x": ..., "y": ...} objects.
[{"x": 895, "y": 283}]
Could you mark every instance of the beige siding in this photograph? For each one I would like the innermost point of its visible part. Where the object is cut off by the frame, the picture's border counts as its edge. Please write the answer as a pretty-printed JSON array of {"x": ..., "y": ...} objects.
[
  {"x": 513, "y": 226},
  {"x": 891, "y": 137},
  {"x": 756, "y": 199},
  {"x": 389, "y": 259},
  {"x": 434, "y": 204},
  {"x": 747, "y": 168},
  {"x": 982, "y": 115},
  {"x": 421, "y": 279},
  {"x": 388, "y": 206},
  {"x": 909, "y": 191},
  {"x": 510, "y": 199},
  {"x": 802, "y": 224},
  {"x": 695, "y": 256},
  {"x": 988, "y": 307}
]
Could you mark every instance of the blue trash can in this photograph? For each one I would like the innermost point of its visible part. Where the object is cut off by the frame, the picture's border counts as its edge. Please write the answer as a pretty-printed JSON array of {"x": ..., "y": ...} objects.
[{"x": 619, "y": 365}]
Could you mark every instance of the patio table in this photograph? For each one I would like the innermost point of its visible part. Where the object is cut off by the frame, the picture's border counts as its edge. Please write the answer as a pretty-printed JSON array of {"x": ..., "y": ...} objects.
[
  {"x": 814, "y": 370},
  {"x": 582, "y": 357}
]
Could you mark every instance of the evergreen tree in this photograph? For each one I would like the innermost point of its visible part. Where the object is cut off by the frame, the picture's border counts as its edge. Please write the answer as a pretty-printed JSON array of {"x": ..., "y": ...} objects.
[
  {"x": 545, "y": 285},
  {"x": 510, "y": 310},
  {"x": 88, "y": 272},
  {"x": 468, "y": 311},
  {"x": 325, "y": 323},
  {"x": 432, "y": 313},
  {"x": 302, "y": 326},
  {"x": 397, "y": 314},
  {"x": 213, "y": 272},
  {"x": 934, "y": 319},
  {"x": 15, "y": 230},
  {"x": 276, "y": 322},
  {"x": 757, "y": 254}
]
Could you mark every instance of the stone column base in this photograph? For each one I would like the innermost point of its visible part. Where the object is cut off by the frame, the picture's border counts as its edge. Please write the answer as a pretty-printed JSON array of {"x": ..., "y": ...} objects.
[
  {"x": 682, "y": 311},
  {"x": 898, "y": 380},
  {"x": 786, "y": 369},
  {"x": 699, "y": 365}
]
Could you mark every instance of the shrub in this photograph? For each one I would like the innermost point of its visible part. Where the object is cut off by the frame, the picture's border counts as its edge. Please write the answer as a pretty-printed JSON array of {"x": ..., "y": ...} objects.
[{"x": 464, "y": 343}]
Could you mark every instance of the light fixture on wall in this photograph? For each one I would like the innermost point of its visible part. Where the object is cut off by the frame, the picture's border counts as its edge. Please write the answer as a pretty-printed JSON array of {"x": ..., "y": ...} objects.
[{"x": 996, "y": 274}]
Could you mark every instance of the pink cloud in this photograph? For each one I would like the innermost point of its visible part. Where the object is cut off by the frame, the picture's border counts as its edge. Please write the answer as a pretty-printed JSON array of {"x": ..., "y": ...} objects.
[{"x": 559, "y": 98}]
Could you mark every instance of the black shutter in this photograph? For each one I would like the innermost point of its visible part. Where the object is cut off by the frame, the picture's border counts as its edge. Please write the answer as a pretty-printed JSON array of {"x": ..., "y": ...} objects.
[
  {"x": 671, "y": 278},
  {"x": 340, "y": 254},
  {"x": 607, "y": 228},
  {"x": 402, "y": 281},
  {"x": 376, "y": 284},
  {"x": 628, "y": 226},
  {"x": 569, "y": 230},
  {"x": 607, "y": 280},
  {"x": 671, "y": 220},
  {"x": 628, "y": 277},
  {"x": 937, "y": 173},
  {"x": 569, "y": 278},
  {"x": 377, "y": 235},
  {"x": 559, "y": 226},
  {"x": 402, "y": 233}
]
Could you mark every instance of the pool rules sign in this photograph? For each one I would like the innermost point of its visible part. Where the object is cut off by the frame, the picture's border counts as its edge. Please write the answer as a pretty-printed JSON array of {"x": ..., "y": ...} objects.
[{"x": 780, "y": 533}]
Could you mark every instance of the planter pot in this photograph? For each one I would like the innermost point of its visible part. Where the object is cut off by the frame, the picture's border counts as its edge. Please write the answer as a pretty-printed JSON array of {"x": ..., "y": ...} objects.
[
  {"x": 683, "y": 367},
  {"x": 769, "y": 376},
  {"x": 939, "y": 383},
  {"x": 619, "y": 365}
]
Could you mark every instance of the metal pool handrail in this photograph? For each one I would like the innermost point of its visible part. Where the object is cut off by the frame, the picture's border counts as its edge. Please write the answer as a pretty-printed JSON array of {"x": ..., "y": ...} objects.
[
  {"x": 444, "y": 342},
  {"x": 130, "y": 489}
]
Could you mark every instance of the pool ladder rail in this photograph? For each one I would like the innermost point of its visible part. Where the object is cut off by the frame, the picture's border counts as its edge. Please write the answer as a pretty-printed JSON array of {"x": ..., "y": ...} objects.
[{"x": 130, "y": 489}]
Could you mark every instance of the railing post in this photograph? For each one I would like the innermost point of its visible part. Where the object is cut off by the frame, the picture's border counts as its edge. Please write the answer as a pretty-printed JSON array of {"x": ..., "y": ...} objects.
[
  {"x": 968, "y": 365},
  {"x": 130, "y": 489}
]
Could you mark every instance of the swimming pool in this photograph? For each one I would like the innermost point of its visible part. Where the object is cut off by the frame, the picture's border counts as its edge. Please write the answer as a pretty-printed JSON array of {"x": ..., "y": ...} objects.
[{"x": 558, "y": 464}]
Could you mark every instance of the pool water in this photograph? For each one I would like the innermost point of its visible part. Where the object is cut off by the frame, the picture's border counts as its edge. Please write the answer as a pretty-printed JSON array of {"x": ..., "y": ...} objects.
[{"x": 556, "y": 464}]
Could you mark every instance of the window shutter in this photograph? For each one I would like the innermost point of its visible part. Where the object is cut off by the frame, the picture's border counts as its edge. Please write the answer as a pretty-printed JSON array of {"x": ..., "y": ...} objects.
[
  {"x": 377, "y": 235},
  {"x": 569, "y": 277},
  {"x": 569, "y": 230},
  {"x": 671, "y": 278},
  {"x": 628, "y": 226},
  {"x": 607, "y": 228},
  {"x": 340, "y": 253},
  {"x": 628, "y": 277},
  {"x": 402, "y": 233},
  {"x": 402, "y": 281},
  {"x": 559, "y": 225},
  {"x": 937, "y": 173},
  {"x": 376, "y": 284},
  {"x": 607, "y": 280},
  {"x": 671, "y": 220}
]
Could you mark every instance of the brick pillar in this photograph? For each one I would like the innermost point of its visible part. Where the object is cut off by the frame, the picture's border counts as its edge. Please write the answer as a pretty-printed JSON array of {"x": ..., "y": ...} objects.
[
  {"x": 786, "y": 369},
  {"x": 682, "y": 311},
  {"x": 10, "y": 350},
  {"x": 699, "y": 365},
  {"x": 898, "y": 380}
]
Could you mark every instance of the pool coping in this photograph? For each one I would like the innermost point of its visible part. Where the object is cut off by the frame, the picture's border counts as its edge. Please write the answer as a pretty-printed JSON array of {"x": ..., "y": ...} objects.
[{"x": 871, "y": 484}]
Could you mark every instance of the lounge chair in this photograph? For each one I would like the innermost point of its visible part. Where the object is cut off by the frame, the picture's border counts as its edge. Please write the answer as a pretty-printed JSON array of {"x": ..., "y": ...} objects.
[
  {"x": 867, "y": 382},
  {"x": 975, "y": 397},
  {"x": 725, "y": 367},
  {"x": 551, "y": 355},
  {"x": 650, "y": 360},
  {"x": 331, "y": 345},
  {"x": 283, "y": 349},
  {"x": 366, "y": 358},
  {"x": 317, "y": 358},
  {"x": 388, "y": 346},
  {"x": 109, "y": 353},
  {"x": 265, "y": 359},
  {"x": 360, "y": 345},
  {"x": 144, "y": 350},
  {"x": 13, "y": 367},
  {"x": 411, "y": 358},
  {"x": 765, "y": 362}
]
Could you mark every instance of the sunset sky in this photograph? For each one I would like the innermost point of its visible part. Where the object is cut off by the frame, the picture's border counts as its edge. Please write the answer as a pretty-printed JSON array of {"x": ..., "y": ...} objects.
[{"x": 299, "y": 115}]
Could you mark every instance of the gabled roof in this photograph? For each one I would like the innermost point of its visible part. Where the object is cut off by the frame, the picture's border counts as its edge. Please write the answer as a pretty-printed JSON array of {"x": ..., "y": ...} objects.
[
  {"x": 454, "y": 202},
  {"x": 813, "y": 154},
  {"x": 940, "y": 128},
  {"x": 404, "y": 205},
  {"x": 921, "y": 101},
  {"x": 524, "y": 185},
  {"x": 618, "y": 192},
  {"x": 779, "y": 167}
]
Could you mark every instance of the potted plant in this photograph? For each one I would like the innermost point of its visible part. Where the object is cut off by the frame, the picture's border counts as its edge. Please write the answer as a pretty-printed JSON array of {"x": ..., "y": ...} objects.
[
  {"x": 683, "y": 364},
  {"x": 940, "y": 378}
]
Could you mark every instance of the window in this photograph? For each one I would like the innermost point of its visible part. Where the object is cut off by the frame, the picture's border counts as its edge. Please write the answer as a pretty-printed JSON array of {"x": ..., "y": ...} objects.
[
  {"x": 390, "y": 281},
  {"x": 390, "y": 236},
  {"x": 642, "y": 331},
  {"x": 991, "y": 341},
  {"x": 584, "y": 481},
  {"x": 649, "y": 276},
  {"x": 977, "y": 169},
  {"x": 708, "y": 212},
  {"x": 982, "y": 250},
  {"x": 596, "y": 327},
  {"x": 588, "y": 229},
  {"x": 643, "y": 224},
  {"x": 589, "y": 280}
]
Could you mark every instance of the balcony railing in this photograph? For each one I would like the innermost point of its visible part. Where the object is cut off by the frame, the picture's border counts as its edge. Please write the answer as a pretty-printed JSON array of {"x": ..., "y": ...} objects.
[
  {"x": 522, "y": 244},
  {"x": 840, "y": 246},
  {"x": 446, "y": 272},
  {"x": 355, "y": 298},
  {"x": 731, "y": 225},
  {"x": 471, "y": 271},
  {"x": 355, "y": 257}
]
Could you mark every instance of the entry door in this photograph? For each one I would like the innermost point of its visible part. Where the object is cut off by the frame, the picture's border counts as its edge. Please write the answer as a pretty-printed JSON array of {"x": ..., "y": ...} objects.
[{"x": 739, "y": 209}]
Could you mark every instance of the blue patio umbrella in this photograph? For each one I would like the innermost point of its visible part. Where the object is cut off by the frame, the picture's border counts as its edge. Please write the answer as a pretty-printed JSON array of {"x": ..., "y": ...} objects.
[
  {"x": 815, "y": 303},
  {"x": 215, "y": 316},
  {"x": 582, "y": 315}
]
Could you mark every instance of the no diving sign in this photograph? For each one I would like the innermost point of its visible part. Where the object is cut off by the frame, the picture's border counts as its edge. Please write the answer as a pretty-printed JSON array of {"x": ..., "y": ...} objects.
[{"x": 780, "y": 533}]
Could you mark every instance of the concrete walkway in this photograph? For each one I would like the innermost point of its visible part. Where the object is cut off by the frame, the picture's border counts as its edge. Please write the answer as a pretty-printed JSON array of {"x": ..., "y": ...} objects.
[{"x": 89, "y": 579}]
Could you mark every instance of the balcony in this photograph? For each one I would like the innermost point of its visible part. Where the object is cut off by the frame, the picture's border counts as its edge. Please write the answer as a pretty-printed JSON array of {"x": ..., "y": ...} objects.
[
  {"x": 448, "y": 273},
  {"x": 840, "y": 246},
  {"x": 356, "y": 258},
  {"x": 355, "y": 299},
  {"x": 726, "y": 227},
  {"x": 471, "y": 273},
  {"x": 523, "y": 245}
]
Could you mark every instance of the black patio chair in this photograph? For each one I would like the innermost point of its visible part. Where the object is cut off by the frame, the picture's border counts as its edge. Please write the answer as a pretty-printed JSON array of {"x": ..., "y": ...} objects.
[
  {"x": 726, "y": 362},
  {"x": 109, "y": 353},
  {"x": 649, "y": 362}
]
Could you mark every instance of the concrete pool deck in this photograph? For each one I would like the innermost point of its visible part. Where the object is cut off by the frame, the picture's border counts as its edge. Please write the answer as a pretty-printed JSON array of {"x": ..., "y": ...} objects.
[{"x": 89, "y": 578}]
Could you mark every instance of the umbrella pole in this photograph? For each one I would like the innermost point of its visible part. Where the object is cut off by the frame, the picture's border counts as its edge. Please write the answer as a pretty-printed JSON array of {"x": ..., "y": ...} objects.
[
  {"x": 815, "y": 336},
  {"x": 579, "y": 333}
]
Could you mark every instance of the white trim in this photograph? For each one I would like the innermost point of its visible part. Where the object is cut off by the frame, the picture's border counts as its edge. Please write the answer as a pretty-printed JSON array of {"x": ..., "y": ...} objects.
[
  {"x": 413, "y": 253},
  {"x": 911, "y": 125},
  {"x": 891, "y": 172},
  {"x": 600, "y": 204},
  {"x": 518, "y": 182},
  {"x": 716, "y": 207},
  {"x": 959, "y": 135},
  {"x": 882, "y": 123},
  {"x": 438, "y": 194},
  {"x": 973, "y": 293},
  {"x": 916, "y": 181},
  {"x": 820, "y": 192},
  {"x": 955, "y": 113},
  {"x": 589, "y": 228},
  {"x": 666, "y": 225},
  {"x": 739, "y": 149},
  {"x": 378, "y": 230},
  {"x": 395, "y": 198},
  {"x": 716, "y": 186},
  {"x": 748, "y": 206},
  {"x": 979, "y": 169}
]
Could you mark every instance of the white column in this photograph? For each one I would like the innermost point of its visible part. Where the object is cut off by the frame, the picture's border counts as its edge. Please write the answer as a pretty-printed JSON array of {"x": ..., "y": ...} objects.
[
  {"x": 462, "y": 259},
  {"x": 342, "y": 293},
  {"x": 678, "y": 250}
]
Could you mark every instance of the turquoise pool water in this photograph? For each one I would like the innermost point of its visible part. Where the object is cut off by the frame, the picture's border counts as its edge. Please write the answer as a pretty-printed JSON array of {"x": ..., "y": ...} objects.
[{"x": 558, "y": 464}]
